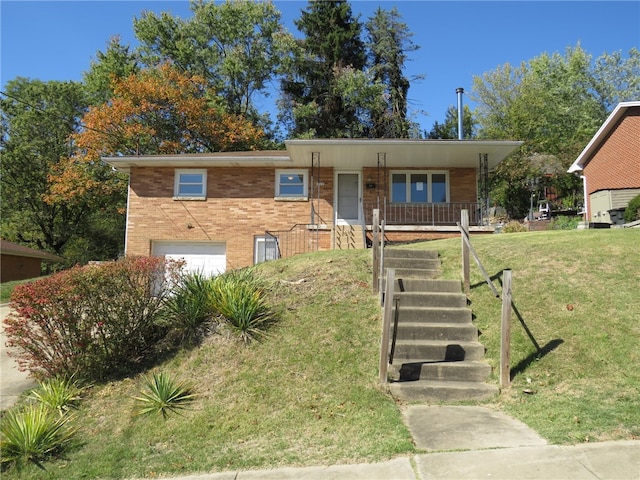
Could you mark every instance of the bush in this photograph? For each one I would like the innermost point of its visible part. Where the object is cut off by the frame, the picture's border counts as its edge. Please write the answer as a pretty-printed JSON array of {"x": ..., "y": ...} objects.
[
  {"x": 632, "y": 212},
  {"x": 239, "y": 296},
  {"x": 189, "y": 311},
  {"x": 92, "y": 322},
  {"x": 563, "y": 222},
  {"x": 33, "y": 434},
  {"x": 514, "y": 227}
]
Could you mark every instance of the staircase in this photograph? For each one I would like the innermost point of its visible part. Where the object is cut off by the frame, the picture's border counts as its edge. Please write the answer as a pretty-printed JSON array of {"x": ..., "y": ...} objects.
[
  {"x": 348, "y": 237},
  {"x": 437, "y": 355}
]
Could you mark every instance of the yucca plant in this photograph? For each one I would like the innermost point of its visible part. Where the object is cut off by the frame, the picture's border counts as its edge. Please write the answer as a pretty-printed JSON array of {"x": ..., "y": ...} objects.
[
  {"x": 59, "y": 394},
  {"x": 161, "y": 394},
  {"x": 33, "y": 434},
  {"x": 189, "y": 308},
  {"x": 241, "y": 299}
]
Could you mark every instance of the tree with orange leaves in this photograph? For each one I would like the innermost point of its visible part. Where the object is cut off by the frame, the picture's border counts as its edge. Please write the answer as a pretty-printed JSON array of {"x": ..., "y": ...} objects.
[{"x": 163, "y": 111}]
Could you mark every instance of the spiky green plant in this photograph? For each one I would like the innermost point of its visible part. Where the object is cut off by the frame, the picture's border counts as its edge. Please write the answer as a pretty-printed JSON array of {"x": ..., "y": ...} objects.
[
  {"x": 189, "y": 308},
  {"x": 33, "y": 434},
  {"x": 162, "y": 394},
  {"x": 240, "y": 297},
  {"x": 59, "y": 394}
]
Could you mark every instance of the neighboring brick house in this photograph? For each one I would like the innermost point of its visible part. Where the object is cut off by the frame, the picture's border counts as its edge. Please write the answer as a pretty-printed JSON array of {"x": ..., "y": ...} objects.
[
  {"x": 226, "y": 210},
  {"x": 18, "y": 262},
  {"x": 610, "y": 165}
]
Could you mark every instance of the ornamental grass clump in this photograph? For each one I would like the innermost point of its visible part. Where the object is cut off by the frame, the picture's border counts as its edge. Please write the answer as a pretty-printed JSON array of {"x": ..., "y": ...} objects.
[
  {"x": 189, "y": 309},
  {"x": 161, "y": 395},
  {"x": 240, "y": 298},
  {"x": 59, "y": 394},
  {"x": 33, "y": 434}
]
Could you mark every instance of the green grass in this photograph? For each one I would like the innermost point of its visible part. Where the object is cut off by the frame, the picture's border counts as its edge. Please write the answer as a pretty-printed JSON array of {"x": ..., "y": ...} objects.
[
  {"x": 7, "y": 287},
  {"x": 307, "y": 394}
]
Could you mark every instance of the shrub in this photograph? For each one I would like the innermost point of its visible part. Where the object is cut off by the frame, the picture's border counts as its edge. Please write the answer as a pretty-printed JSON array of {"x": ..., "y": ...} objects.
[
  {"x": 92, "y": 322},
  {"x": 632, "y": 212},
  {"x": 162, "y": 395},
  {"x": 514, "y": 227},
  {"x": 239, "y": 296},
  {"x": 189, "y": 309},
  {"x": 562, "y": 222},
  {"x": 32, "y": 434},
  {"x": 59, "y": 394}
]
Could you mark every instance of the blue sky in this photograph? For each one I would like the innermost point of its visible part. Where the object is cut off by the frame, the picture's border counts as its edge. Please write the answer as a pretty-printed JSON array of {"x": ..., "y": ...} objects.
[{"x": 56, "y": 40}]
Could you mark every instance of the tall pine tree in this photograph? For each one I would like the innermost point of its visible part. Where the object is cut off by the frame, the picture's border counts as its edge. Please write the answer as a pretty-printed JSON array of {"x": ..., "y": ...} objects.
[
  {"x": 389, "y": 40},
  {"x": 311, "y": 105}
]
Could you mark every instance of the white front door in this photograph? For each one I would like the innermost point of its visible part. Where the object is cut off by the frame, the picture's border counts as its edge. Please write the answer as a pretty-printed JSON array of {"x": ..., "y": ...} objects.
[{"x": 348, "y": 195}]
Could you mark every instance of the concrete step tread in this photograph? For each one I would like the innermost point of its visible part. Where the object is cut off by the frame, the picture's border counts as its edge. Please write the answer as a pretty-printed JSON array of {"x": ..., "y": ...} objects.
[{"x": 442, "y": 390}]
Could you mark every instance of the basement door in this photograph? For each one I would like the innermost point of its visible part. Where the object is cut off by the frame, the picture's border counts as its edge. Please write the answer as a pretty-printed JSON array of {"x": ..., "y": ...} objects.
[{"x": 348, "y": 195}]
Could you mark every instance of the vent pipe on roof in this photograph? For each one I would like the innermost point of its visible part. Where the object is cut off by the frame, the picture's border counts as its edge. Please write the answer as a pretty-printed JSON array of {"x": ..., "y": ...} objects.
[{"x": 460, "y": 91}]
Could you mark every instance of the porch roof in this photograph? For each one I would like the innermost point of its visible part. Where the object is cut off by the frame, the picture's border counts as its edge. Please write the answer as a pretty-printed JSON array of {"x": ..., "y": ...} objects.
[{"x": 339, "y": 153}]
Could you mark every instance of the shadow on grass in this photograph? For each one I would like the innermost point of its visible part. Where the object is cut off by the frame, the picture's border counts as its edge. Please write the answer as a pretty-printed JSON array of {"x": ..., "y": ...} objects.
[{"x": 540, "y": 351}]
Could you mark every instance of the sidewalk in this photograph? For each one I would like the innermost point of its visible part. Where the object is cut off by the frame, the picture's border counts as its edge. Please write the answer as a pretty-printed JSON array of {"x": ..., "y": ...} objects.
[{"x": 488, "y": 444}]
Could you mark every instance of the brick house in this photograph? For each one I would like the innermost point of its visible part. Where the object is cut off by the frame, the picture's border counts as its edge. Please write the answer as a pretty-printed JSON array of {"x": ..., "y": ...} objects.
[
  {"x": 20, "y": 263},
  {"x": 227, "y": 210},
  {"x": 610, "y": 165}
]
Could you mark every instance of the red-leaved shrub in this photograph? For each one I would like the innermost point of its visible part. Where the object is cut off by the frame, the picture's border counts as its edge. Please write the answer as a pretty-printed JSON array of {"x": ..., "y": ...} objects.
[{"x": 93, "y": 322}]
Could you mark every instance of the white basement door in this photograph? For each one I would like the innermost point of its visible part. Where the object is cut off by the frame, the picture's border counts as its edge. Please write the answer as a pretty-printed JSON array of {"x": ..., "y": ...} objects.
[{"x": 207, "y": 258}]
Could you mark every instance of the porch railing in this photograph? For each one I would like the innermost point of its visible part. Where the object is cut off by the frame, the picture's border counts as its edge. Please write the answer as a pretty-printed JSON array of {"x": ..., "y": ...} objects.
[
  {"x": 431, "y": 214},
  {"x": 301, "y": 238}
]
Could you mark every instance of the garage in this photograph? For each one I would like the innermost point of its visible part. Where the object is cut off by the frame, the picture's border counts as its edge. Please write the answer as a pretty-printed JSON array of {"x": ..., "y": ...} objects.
[{"x": 208, "y": 258}]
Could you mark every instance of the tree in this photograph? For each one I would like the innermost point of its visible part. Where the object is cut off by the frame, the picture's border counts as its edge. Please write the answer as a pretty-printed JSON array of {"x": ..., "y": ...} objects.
[
  {"x": 449, "y": 129},
  {"x": 552, "y": 104},
  {"x": 38, "y": 119},
  {"x": 237, "y": 47},
  {"x": 311, "y": 104},
  {"x": 116, "y": 62},
  {"x": 389, "y": 40},
  {"x": 157, "y": 111}
]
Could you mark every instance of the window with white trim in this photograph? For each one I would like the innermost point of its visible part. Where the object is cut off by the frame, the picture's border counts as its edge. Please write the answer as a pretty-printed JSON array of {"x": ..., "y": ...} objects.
[
  {"x": 415, "y": 186},
  {"x": 190, "y": 184},
  {"x": 292, "y": 184}
]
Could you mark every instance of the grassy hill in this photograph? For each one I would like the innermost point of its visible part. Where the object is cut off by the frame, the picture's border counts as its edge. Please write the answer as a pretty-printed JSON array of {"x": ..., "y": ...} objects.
[{"x": 308, "y": 394}]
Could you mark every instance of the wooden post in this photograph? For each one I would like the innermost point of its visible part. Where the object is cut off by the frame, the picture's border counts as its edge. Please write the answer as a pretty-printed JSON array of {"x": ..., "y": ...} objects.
[
  {"x": 464, "y": 222},
  {"x": 376, "y": 250},
  {"x": 386, "y": 323},
  {"x": 505, "y": 340}
]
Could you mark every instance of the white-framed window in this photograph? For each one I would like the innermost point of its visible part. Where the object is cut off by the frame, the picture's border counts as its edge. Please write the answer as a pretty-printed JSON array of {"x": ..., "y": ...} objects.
[
  {"x": 292, "y": 184},
  {"x": 265, "y": 248},
  {"x": 415, "y": 186},
  {"x": 190, "y": 184}
]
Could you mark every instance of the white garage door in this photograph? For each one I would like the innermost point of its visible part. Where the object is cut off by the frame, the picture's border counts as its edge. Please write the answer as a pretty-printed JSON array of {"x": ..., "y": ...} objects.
[{"x": 203, "y": 257}]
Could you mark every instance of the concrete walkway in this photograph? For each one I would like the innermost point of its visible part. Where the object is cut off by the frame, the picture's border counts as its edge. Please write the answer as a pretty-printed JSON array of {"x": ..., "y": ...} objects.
[
  {"x": 487, "y": 444},
  {"x": 12, "y": 381}
]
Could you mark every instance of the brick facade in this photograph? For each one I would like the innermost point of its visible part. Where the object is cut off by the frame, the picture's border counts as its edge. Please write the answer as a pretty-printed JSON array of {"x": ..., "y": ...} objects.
[
  {"x": 240, "y": 205},
  {"x": 615, "y": 164}
]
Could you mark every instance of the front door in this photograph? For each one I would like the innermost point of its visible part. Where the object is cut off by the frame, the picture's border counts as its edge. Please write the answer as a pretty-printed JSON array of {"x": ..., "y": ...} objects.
[{"x": 348, "y": 194}]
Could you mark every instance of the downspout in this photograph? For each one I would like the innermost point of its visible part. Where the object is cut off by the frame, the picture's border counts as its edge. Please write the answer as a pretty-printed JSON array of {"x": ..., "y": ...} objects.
[
  {"x": 460, "y": 91},
  {"x": 586, "y": 199}
]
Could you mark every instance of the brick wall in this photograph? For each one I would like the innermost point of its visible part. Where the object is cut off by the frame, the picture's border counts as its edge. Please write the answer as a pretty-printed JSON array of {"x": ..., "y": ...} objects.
[
  {"x": 616, "y": 164},
  {"x": 240, "y": 204}
]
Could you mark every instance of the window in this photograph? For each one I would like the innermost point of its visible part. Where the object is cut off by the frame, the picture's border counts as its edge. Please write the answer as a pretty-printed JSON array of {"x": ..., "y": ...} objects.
[
  {"x": 191, "y": 184},
  {"x": 291, "y": 184},
  {"x": 419, "y": 187},
  {"x": 265, "y": 248}
]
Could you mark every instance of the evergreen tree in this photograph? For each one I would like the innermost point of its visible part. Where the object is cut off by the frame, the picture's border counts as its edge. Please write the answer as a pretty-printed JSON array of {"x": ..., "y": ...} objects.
[
  {"x": 389, "y": 40},
  {"x": 312, "y": 104}
]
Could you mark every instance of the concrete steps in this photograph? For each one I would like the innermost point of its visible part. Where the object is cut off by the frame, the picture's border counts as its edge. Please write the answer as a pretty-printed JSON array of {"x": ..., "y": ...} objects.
[
  {"x": 349, "y": 237},
  {"x": 437, "y": 355}
]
